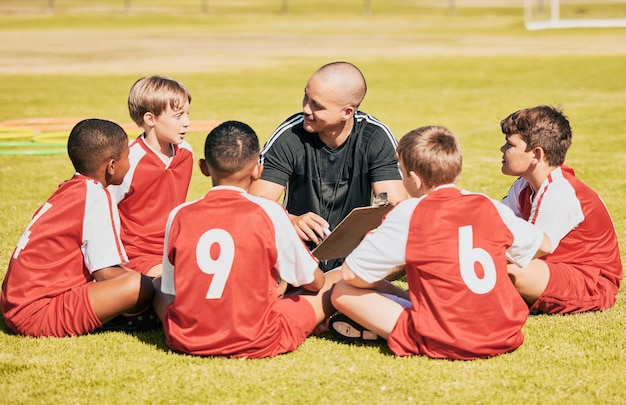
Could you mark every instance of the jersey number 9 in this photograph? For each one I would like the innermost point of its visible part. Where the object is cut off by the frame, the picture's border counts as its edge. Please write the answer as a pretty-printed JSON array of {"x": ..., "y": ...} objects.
[{"x": 215, "y": 253}]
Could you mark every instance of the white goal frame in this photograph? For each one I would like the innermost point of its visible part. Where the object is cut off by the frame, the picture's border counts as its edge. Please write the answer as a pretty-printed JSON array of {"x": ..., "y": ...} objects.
[{"x": 555, "y": 20}]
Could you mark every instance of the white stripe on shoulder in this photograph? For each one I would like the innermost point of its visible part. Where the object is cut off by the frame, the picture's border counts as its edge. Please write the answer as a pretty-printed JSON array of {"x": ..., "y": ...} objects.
[
  {"x": 498, "y": 204},
  {"x": 359, "y": 116},
  {"x": 186, "y": 145},
  {"x": 504, "y": 210},
  {"x": 135, "y": 155},
  {"x": 290, "y": 123},
  {"x": 136, "y": 152},
  {"x": 167, "y": 283},
  {"x": 173, "y": 213},
  {"x": 467, "y": 192}
]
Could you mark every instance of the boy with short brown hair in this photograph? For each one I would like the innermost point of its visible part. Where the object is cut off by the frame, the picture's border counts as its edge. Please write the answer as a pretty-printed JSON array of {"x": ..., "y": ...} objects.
[
  {"x": 583, "y": 270},
  {"x": 454, "y": 245}
]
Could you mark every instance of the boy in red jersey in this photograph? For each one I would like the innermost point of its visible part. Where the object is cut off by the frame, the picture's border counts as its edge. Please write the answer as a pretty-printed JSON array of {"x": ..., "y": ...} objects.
[
  {"x": 72, "y": 241},
  {"x": 161, "y": 164},
  {"x": 223, "y": 256},
  {"x": 454, "y": 246},
  {"x": 584, "y": 269}
]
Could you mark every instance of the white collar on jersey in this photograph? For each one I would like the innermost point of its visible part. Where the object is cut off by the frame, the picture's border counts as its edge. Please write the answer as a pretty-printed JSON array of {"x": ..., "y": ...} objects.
[{"x": 233, "y": 188}]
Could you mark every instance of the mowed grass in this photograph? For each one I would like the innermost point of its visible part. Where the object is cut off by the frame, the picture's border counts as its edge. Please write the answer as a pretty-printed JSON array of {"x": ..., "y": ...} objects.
[{"x": 565, "y": 359}]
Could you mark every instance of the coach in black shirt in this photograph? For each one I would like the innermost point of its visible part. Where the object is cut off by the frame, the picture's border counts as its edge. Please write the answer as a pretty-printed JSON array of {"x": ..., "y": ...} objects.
[{"x": 331, "y": 157}]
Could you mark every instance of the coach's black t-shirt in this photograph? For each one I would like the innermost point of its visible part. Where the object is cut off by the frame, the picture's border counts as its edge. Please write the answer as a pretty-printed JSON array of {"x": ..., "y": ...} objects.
[{"x": 329, "y": 182}]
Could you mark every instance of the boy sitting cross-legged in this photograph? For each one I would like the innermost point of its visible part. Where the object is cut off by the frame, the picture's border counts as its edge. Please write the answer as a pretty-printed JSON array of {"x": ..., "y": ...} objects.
[
  {"x": 455, "y": 246},
  {"x": 223, "y": 256}
]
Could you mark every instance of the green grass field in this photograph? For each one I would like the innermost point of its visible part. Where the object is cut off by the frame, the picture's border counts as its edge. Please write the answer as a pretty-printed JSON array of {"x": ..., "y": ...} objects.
[{"x": 466, "y": 71}]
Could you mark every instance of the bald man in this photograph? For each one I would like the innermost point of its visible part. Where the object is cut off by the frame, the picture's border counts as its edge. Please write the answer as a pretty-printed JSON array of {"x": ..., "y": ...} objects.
[{"x": 330, "y": 158}]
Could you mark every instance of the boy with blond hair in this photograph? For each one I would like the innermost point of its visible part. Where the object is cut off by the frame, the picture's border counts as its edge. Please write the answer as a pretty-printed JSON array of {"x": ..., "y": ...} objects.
[
  {"x": 454, "y": 246},
  {"x": 161, "y": 164}
]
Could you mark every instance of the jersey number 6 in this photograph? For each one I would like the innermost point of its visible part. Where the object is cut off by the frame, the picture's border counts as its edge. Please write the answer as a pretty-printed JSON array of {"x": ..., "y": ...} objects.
[
  {"x": 215, "y": 253},
  {"x": 468, "y": 256}
]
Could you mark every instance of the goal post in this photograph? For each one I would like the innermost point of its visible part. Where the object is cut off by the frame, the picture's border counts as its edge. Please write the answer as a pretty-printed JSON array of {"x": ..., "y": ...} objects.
[{"x": 550, "y": 14}]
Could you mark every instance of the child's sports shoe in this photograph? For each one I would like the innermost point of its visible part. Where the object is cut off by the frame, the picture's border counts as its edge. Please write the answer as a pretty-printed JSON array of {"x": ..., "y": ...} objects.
[
  {"x": 348, "y": 331},
  {"x": 145, "y": 321}
]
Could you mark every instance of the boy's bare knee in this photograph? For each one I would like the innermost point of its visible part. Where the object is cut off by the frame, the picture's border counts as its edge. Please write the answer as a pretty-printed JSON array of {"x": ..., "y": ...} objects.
[
  {"x": 136, "y": 288},
  {"x": 338, "y": 291},
  {"x": 333, "y": 276},
  {"x": 530, "y": 281}
]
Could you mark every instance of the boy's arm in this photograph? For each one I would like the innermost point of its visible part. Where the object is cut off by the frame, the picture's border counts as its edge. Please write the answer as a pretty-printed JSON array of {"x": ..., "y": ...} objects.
[
  {"x": 351, "y": 278},
  {"x": 381, "y": 286},
  {"x": 545, "y": 247},
  {"x": 108, "y": 273},
  {"x": 317, "y": 283}
]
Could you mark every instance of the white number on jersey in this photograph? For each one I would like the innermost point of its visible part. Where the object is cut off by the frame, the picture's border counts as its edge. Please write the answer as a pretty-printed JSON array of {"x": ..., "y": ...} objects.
[
  {"x": 215, "y": 253},
  {"x": 21, "y": 244},
  {"x": 468, "y": 255}
]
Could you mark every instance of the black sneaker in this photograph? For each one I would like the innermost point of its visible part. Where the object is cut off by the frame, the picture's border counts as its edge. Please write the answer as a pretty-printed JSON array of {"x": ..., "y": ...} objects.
[
  {"x": 145, "y": 321},
  {"x": 348, "y": 331}
]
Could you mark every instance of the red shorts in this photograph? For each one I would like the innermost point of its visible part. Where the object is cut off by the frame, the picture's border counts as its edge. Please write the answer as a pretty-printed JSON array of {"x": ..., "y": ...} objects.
[
  {"x": 292, "y": 320},
  {"x": 574, "y": 289},
  {"x": 68, "y": 314},
  {"x": 400, "y": 340},
  {"x": 404, "y": 340},
  {"x": 297, "y": 322},
  {"x": 144, "y": 263}
]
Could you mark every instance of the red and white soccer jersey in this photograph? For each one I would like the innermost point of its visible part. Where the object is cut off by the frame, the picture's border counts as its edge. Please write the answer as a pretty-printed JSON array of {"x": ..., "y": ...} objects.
[
  {"x": 455, "y": 246},
  {"x": 223, "y": 254},
  {"x": 75, "y": 233},
  {"x": 151, "y": 189},
  {"x": 585, "y": 264}
]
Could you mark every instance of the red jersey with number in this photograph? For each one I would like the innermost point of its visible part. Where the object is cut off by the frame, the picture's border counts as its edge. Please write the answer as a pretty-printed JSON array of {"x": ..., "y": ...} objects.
[
  {"x": 223, "y": 256},
  {"x": 455, "y": 246},
  {"x": 151, "y": 189},
  {"x": 75, "y": 233},
  {"x": 582, "y": 234}
]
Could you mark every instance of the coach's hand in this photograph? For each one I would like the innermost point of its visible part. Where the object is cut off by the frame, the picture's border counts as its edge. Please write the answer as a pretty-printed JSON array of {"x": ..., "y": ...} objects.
[{"x": 310, "y": 226}]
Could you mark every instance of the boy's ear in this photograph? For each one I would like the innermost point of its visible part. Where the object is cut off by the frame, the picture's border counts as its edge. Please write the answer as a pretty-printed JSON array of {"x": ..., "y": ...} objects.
[
  {"x": 539, "y": 154},
  {"x": 415, "y": 180},
  {"x": 204, "y": 167},
  {"x": 109, "y": 171},
  {"x": 149, "y": 119},
  {"x": 256, "y": 171},
  {"x": 110, "y": 167}
]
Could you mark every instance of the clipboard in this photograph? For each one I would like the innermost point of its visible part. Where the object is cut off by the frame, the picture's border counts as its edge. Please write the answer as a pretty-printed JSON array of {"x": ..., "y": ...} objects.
[{"x": 350, "y": 231}]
